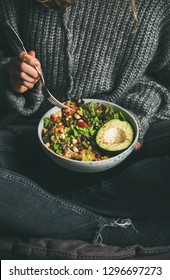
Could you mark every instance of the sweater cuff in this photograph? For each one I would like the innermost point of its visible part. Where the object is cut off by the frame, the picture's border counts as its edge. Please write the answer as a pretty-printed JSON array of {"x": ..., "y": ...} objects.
[
  {"x": 143, "y": 127},
  {"x": 24, "y": 104}
]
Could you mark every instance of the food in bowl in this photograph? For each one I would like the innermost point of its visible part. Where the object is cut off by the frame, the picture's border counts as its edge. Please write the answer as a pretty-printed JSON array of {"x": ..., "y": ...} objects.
[
  {"x": 88, "y": 131},
  {"x": 113, "y": 158}
]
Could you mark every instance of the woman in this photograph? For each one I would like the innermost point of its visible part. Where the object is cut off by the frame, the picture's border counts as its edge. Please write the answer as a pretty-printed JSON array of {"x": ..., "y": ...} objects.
[{"x": 112, "y": 50}]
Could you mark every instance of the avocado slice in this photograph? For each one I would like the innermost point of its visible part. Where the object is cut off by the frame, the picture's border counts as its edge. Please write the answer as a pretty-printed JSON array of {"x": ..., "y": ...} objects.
[{"x": 115, "y": 135}]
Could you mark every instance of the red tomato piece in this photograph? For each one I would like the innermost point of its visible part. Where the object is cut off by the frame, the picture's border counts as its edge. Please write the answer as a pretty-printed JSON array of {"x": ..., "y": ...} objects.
[
  {"x": 55, "y": 119},
  {"x": 59, "y": 128},
  {"x": 82, "y": 124}
]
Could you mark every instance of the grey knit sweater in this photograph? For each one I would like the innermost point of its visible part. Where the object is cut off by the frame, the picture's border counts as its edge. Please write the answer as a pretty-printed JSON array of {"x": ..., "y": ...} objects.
[{"x": 94, "y": 49}]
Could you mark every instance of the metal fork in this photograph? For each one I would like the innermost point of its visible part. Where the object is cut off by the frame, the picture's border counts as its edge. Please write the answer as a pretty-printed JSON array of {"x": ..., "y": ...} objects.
[
  {"x": 18, "y": 42},
  {"x": 51, "y": 98}
]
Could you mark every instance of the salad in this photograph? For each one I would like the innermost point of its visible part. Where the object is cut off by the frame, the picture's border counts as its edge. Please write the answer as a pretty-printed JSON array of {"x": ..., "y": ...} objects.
[{"x": 72, "y": 133}]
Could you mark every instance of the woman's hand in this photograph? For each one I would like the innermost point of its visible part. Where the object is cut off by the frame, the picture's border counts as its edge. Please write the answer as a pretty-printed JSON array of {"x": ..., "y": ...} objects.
[
  {"x": 137, "y": 146},
  {"x": 22, "y": 72}
]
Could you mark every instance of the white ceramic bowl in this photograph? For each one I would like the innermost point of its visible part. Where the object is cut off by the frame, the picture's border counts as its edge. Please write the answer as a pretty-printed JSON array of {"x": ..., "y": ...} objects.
[{"x": 91, "y": 166}]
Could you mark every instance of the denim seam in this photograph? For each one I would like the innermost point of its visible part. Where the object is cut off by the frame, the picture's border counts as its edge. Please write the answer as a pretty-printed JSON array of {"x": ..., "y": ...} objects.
[
  {"x": 53, "y": 251},
  {"x": 61, "y": 202},
  {"x": 146, "y": 251},
  {"x": 73, "y": 255}
]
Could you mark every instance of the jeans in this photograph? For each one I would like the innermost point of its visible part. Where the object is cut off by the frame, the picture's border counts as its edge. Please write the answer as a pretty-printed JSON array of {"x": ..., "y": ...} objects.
[{"x": 125, "y": 206}]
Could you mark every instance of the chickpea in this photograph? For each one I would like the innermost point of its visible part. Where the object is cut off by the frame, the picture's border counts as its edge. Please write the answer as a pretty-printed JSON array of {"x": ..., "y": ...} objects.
[
  {"x": 69, "y": 117},
  {"x": 75, "y": 149},
  {"x": 55, "y": 115},
  {"x": 74, "y": 141},
  {"x": 47, "y": 144},
  {"x": 62, "y": 136},
  {"x": 77, "y": 116}
]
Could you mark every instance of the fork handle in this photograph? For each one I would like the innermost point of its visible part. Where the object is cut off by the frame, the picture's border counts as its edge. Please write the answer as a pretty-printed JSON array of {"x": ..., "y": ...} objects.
[{"x": 41, "y": 76}]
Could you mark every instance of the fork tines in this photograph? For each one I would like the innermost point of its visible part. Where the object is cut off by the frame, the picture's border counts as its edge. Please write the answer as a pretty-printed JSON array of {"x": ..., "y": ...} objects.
[{"x": 55, "y": 102}]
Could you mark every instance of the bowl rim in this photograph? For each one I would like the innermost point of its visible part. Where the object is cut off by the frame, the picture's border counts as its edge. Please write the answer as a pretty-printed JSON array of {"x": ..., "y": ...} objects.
[{"x": 91, "y": 162}]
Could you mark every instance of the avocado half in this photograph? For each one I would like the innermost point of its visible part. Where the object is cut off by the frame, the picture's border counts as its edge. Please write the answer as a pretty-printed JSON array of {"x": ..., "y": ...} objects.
[{"x": 115, "y": 135}]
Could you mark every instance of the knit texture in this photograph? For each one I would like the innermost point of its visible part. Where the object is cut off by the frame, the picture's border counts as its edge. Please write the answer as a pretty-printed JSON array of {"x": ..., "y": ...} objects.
[{"x": 92, "y": 50}]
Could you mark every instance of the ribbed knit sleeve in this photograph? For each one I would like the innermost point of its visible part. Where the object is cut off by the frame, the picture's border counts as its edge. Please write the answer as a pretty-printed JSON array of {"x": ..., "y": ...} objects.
[
  {"x": 20, "y": 104},
  {"x": 146, "y": 100}
]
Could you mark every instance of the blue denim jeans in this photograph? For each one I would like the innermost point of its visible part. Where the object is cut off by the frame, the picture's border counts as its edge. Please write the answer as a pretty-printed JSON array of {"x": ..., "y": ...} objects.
[{"x": 125, "y": 206}]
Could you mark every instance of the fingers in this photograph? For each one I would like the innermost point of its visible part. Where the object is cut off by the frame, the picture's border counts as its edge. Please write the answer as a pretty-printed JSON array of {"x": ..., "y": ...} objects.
[
  {"x": 19, "y": 85},
  {"x": 29, "y": 58},
  {"x": 22, "y": 72},
  {"x": 137, "y": 146}
]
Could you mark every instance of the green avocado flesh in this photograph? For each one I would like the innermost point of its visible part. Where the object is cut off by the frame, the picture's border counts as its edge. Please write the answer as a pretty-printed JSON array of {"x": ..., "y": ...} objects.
[{"x": 115, "y": 135}]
